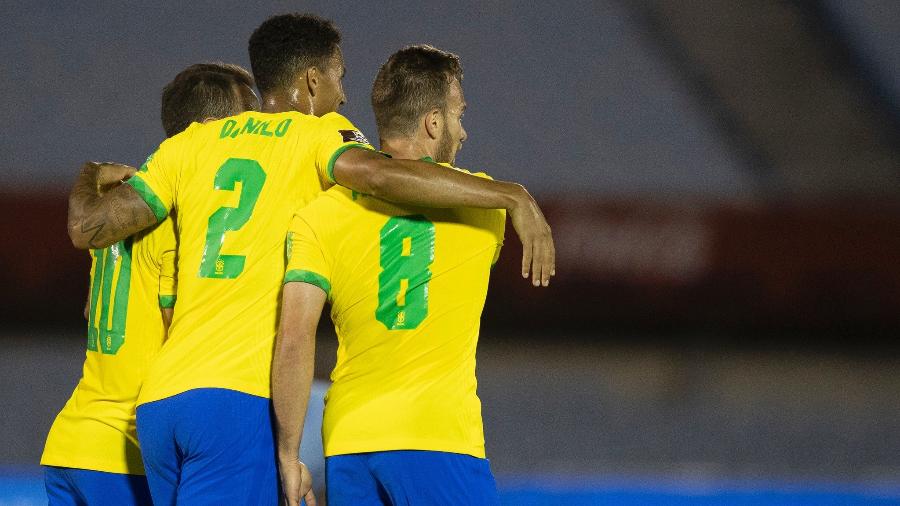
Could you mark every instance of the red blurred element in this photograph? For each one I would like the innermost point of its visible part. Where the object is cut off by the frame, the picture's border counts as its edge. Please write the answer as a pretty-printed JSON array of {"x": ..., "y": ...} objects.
[
  {"x": 664, "y": 265},
  {"x": 44, "y": 277},
  {"x": 620, "y": 263},
  {"x": 642, "y": 245}
]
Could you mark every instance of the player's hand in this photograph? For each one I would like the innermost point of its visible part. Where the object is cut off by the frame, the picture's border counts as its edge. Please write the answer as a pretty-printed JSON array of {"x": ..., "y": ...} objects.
[
  {"x": 538, "y": 251},
  {"x": 112, "y": 173},
  {"x": 296, "y": 482}
]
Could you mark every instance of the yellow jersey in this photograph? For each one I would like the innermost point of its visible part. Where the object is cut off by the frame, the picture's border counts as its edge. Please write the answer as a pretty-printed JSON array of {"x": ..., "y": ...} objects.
[
  {"x": 407, "y": 286},
  {"x": 235, "y": 184},
  {"x": 130, "y": 281}
]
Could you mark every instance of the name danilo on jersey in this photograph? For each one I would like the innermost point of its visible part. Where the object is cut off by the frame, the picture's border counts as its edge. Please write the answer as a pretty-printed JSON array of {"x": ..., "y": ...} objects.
[{"x": 254, "y": 126}]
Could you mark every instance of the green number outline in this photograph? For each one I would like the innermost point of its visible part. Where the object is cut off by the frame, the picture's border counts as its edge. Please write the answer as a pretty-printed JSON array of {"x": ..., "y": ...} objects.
[
  {"x": 397, "y": 268},
  {"x": 104, "y": 335},
  {"x": 228, "y": 219}
]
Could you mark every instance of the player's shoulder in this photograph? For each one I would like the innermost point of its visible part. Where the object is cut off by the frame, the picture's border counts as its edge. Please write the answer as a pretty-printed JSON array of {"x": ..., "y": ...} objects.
[
  {"x": 152, "y": 243},
  {"x": 168, "y": 153},
  {"x": 187, "y": 139},
  {"x": 333, "y": 118},
  {"x": 333, "y": 121},
  {"x": 176, "y": 141},
  {"x": 490, "y": 218},
  {"x": 319, "y": 219},
  {"x": 162, "y": 236},
  {"x": 466, "y": 171},
  {"x": 323, "y": 208}
]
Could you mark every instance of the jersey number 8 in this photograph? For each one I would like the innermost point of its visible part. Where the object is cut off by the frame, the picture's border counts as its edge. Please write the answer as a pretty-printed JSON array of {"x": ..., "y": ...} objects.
[{"x": 407, "y": 252}]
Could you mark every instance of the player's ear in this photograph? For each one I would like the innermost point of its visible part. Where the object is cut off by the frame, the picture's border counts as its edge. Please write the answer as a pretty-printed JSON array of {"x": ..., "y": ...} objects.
[
  {"x": 312, "y": 80},
  {"x": 434, "y": 123}
]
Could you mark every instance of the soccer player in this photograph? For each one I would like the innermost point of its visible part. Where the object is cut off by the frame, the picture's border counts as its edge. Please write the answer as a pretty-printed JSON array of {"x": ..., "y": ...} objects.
[
  {"x": 407, "y": 285},
  {"x": 204, "y": 410},
  {"x": 92, "y": 454}
]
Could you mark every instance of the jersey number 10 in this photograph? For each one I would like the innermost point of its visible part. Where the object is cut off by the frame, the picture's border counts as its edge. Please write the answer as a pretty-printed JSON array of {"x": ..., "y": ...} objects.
[{"x": 106, "y": 331}]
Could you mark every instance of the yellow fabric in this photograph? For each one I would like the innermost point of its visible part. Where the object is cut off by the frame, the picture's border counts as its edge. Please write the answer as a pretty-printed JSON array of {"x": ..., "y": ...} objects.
[
  {"x": 95, "y": 430},
  {"x": 412, "y": 387},
  {"x": 235, "y": 185}
]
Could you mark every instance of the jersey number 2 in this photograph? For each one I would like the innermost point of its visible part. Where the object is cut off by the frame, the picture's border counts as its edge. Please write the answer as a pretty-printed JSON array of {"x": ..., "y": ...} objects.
[
  {"x": 226, "y": 219},
  {"x": 407, "y": 251},
  {"x": 106, "y": 331}
]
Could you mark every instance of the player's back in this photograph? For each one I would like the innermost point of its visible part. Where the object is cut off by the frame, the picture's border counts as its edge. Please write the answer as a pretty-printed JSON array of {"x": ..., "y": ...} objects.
[
  {"x": 234, "y": 184},
  {"x": 130, "y": 281},
  {"x": 407, "y": 287}
]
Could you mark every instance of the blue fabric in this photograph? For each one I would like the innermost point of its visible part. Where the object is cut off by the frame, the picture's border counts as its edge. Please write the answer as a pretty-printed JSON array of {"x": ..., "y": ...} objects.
[
  {"x": 209, "y": 446},
  {"x": 79, "y": 487},
  {"x": 409, "y": 477}
]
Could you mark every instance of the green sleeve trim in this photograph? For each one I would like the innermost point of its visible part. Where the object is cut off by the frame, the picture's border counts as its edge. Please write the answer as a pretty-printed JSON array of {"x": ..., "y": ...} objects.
[
  {"x": 156, "y": 205},
  {"x": 329, "y": 171},
  {"x": 308, "y": 277},
  {"x": 166, "y": 301}
]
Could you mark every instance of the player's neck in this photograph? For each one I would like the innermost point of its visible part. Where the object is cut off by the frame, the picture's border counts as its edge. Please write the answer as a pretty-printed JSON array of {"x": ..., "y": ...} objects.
[
  {"x": 282, "y": 101},
  {"x": 406, "y": 149}
]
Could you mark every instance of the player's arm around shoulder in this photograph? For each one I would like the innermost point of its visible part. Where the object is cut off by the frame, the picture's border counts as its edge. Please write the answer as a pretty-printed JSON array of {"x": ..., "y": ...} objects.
[
  {"x": 427, "y": 184},
  {"x": 97, "y": 220}
]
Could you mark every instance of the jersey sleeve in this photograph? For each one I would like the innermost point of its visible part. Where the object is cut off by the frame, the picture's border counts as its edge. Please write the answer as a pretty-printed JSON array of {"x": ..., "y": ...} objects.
[
  {"x": 167, "y": 270},
  {"x": 306, "y": 258},
  {"x": 167, "y": 280},
  {"x": 155, "y": 180},
  {"x": 336, "y": 135}
]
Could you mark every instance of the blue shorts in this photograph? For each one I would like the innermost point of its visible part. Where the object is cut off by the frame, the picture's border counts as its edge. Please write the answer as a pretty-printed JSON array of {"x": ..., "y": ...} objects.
[
  {"x": 79, "y": 487},
  {"x": 209, "y": 446},
  {"x": 409, "y": 477}
]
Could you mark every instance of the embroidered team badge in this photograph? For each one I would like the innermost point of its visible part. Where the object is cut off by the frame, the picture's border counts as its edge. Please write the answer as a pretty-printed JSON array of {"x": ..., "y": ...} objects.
[{"x": 353, "y": 136}]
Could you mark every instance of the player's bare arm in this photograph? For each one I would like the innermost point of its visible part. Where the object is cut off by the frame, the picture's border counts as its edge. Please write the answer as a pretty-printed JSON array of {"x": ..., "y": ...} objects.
[
  {"x": 292, "y": 375},
  {"x": 167, "y": 315},
  {"x": 99, "y": 220},
  {"x": 424, "y": 184},
  {"x": 109, "y": 176}
]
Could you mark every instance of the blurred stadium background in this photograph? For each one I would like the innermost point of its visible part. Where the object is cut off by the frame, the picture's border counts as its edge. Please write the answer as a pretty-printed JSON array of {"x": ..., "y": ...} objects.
[{"x": 723, "y": 179}]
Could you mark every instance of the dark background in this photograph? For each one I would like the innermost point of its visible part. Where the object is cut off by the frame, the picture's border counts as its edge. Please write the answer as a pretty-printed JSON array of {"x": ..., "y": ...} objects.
[{"x": 723, "y": 180}]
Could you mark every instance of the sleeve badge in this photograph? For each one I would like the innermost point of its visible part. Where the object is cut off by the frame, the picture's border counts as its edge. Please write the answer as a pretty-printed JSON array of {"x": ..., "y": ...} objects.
[{"x": 353, "y": 136}]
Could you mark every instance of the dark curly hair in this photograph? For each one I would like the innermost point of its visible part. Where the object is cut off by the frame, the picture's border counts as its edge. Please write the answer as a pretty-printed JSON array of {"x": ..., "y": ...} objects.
[
  {"x": 414, "y": 80},
  {"x": 287, "y": 44},
  {"x": 201, "y": 91}
]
